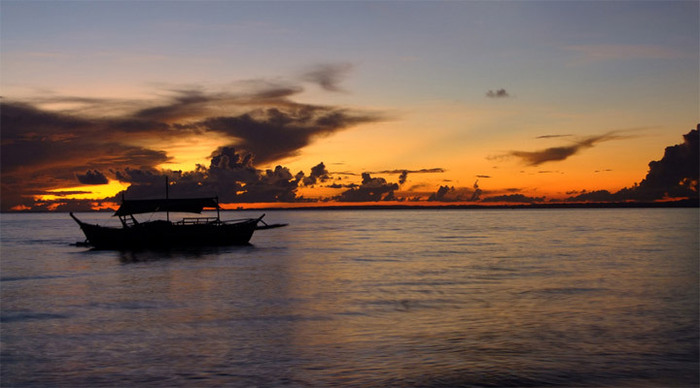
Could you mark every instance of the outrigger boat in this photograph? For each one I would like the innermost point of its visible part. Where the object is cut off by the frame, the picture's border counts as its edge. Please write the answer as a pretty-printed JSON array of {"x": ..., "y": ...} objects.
[{"x": 190, "y": 231}]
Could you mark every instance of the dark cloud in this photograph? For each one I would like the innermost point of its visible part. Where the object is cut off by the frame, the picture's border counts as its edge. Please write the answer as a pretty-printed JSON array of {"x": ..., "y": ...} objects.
[
  {"x": 500, "y": 93},
  {"x": 143, "y": 183},
  {"x": 138, "y": 176},
  {"x": 276, "y": 133},
  {"x": 231, "y": 176},
  {"x": 477, "y": 192},
  {"x": 674, "y": 176},
  {"x": 461, "y": 194},
  {"x": 403, "y": 177},
  {"x": 262, "y": 118},
  {"x": 535, "y": 158},
  {"x": 276, "y": 185},
  {"x": 401, "y": 171},
  {"x": 341, "y": 186},
  {"x": 403, "y": 174},
  {"x": 66, "y": 193},
  {"x": 92, "y": 177},
  {"x": 328, "y": 76},
  {"x": 594, "y": 196},
  {"x": 184, "y": 104},
  {"x": 371, "y": 189},
  {"x": 551, "y": 136},
  {"x": 441, "y": 193},
  {"x": 74, "y": 205},
  {"x": 318, "y": 174},
  {"x": 44, "y": 150}
]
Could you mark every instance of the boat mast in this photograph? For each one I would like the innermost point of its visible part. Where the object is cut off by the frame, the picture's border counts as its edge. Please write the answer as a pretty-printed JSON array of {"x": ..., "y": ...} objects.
[{"x": 167, "y": 207}]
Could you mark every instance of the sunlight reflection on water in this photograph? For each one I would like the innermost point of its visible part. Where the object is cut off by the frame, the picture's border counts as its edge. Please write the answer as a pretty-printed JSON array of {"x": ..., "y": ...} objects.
[{"x": 379, "y": 298}]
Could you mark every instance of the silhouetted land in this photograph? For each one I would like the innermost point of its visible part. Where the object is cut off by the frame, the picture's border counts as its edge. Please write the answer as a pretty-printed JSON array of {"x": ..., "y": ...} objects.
[{"x": 685, "y": 203}]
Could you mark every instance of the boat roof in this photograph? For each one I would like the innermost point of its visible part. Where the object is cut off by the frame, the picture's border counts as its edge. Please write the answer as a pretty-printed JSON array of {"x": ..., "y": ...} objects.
[{"x": 188, "y": 205}]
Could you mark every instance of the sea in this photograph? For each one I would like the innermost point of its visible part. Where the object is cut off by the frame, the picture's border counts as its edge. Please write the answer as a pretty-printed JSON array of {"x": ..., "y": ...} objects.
[{"x": 361, "y": 298}]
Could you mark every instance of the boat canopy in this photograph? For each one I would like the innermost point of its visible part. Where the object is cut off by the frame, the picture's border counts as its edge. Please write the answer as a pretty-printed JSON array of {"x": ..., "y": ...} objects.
[{"x": 188, "y": 205}]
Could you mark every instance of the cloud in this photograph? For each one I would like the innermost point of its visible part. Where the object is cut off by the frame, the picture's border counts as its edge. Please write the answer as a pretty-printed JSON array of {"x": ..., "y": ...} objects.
[
  {"x": 535, "y": 158},
  {"x": 674, "y": 176},
  {"x": 594, "y": 196},
  {"x": 230, "y": 176},
  {"x": 74, "y": 205},
  {"x": 461, "y": 194},
  {"x": 182, "y": 104},
  {"x": 677, "y": 171},
  {"x": 318, "y": 174},
  {"x": 403, "y": 177},
  {"x": 44, "y": 149},
  {"x": 328, "y": 76},
  {"x": 274, "y": 185},
  {"x": 190, "y": 104},
  {"x": 371, "y": 189},
  {"x": 403, "y": 174},
  {"x": 278, "y": 132},
  {"x": 420, "y": 171},
  {"x": 500, "y": 93},
  {"x": 92, "y": 177},
  {"x": 551, "y": 136}
]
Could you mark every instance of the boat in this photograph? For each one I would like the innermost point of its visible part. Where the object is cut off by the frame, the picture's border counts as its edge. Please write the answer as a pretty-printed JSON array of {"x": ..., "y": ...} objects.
[{"x": 189, "y": 231}]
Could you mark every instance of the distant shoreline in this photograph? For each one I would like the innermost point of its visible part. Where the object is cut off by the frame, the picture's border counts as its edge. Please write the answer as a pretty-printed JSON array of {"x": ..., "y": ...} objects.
[
  {"x": 686, "y": 203},
  {"x": 601, "y": 205}
]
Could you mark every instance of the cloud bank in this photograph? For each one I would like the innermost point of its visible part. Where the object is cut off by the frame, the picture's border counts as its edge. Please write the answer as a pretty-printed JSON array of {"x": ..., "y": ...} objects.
[
  {"x": 675, "y": 175},
  {"x": 44, "y": 149},
  {"x": 371, "y": 189},
  {"x": 260, "y": 123}
]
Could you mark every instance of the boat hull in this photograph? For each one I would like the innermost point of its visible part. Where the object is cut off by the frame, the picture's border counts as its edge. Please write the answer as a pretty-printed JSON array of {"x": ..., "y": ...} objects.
[{"x": 163, "y": 234}]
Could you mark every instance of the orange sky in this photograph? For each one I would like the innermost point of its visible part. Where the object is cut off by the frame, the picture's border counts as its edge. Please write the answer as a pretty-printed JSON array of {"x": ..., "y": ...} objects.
[{"x": 522, "y": 101}]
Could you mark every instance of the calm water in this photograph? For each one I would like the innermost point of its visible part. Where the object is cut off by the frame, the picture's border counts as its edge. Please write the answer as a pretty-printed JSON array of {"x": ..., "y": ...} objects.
[{"x": 362, "y": 298}]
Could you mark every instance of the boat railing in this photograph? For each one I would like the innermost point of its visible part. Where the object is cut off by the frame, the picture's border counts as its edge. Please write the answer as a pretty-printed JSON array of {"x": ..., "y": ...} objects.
[
  {"x": 197, "y": 220},
  {"x": 237, "y": 220}
]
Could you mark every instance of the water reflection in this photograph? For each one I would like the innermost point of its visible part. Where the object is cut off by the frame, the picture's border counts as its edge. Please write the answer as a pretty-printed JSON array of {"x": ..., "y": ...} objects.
[
  {"x": 448, "y": 299},
  {"x": 138, "y": 256}
]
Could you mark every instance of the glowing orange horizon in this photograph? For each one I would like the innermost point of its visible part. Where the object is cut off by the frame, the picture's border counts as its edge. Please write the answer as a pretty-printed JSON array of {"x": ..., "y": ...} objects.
[
  {"x": 89, "y": 192},
  {"x": 113, "y": 206}
]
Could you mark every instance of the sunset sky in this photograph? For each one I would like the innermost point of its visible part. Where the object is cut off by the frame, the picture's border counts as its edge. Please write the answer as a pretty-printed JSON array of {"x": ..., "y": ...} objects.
[{"x": 460, "y": 101}]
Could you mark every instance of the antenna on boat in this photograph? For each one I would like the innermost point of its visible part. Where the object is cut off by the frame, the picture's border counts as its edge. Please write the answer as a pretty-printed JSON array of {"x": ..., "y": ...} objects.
[{"x": 167, "y": 207}]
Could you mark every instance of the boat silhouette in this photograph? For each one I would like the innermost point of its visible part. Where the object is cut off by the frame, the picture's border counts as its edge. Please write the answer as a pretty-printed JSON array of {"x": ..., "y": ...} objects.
[{"x": 189, "y": 231}]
